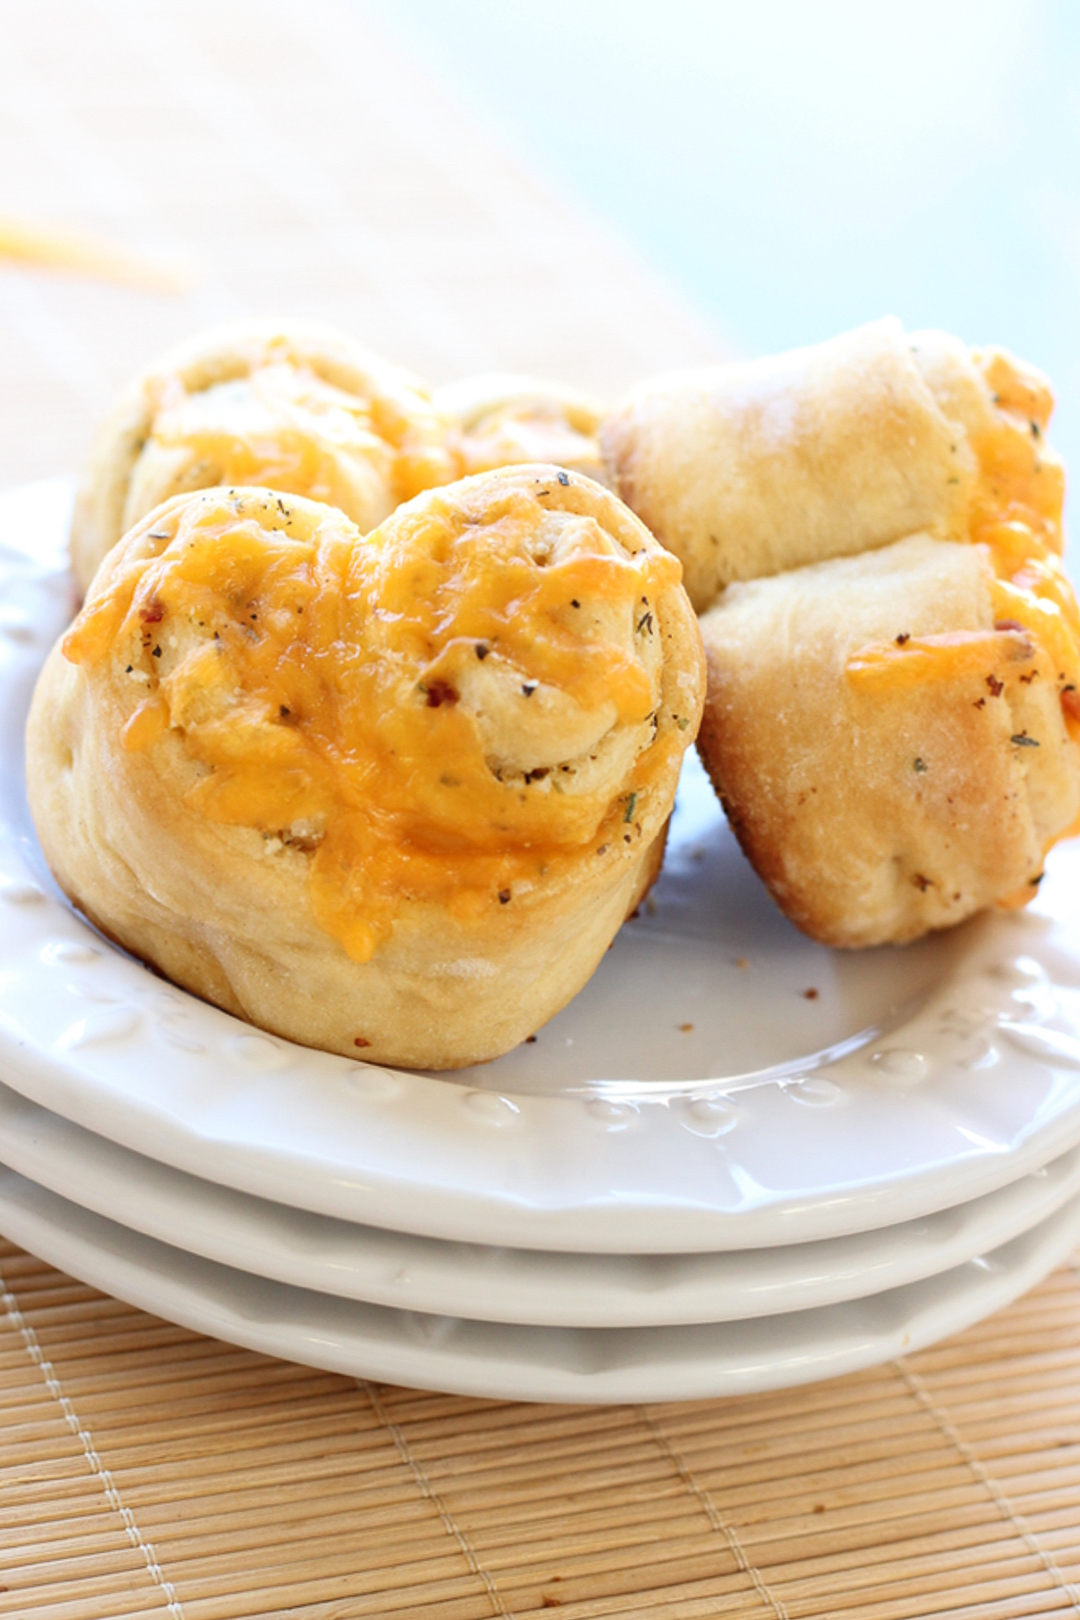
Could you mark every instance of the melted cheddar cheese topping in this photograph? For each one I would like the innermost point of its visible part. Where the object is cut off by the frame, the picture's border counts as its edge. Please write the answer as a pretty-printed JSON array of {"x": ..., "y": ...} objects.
[
  {"x": 530, "y": 430},
  {"x": 283, "y": 426},
  {"x": 442, "y": 710},
  {"x": 1015, "y": 519}
]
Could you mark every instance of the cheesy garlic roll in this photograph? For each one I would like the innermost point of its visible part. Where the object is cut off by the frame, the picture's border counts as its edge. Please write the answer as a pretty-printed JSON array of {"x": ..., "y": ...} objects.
[
  {"x": 751, "y": 469},
  {"x": 890, "y": 744},
  {"x": 294, "y": 408},
  {"x": 501, "y": 420},
  {"x": 894, "y": 733},
  {"x": 390, "y": 794}
]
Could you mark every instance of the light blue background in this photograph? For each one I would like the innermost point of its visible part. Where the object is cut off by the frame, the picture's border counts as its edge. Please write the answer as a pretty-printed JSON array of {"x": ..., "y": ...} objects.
[{"x": 799, "y": 166}]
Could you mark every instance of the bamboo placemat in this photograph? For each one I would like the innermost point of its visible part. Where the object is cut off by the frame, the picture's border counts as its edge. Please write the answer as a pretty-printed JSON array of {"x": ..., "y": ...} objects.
[
  {"x": 288, "y": 159},
  {"x": 148, "y": 1468}
]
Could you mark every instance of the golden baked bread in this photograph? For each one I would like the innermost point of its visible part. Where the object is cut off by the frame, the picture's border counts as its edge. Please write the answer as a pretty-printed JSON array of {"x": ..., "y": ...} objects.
[
  {"x": 391, "y": 795},
  {"x": 751, "y": 469},
  {"x": 889, "y": 760},
  {"x": 872, "y": 530},
  {"x": 294, "y": 407},
  {"x": 502, "y": 419}
]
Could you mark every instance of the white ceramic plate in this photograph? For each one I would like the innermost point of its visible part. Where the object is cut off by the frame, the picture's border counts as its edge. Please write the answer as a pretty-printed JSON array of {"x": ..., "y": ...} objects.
[
  {"x": 495, "y": 1284},
  {"x": 507, "y": 1362},
  {"x": 694, "y": 1097}
]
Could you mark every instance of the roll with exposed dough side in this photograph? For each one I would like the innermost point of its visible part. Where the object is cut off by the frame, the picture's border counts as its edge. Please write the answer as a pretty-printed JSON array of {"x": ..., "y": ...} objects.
[{"x": 872, "y": 533}]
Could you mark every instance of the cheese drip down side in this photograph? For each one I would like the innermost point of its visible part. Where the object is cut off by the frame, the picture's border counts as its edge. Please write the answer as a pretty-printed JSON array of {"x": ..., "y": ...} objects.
[
  {"x": 445, "y": 710},
  {"x": 283, "y": 426},
  {"x": 1015, "y": 519},
  {"x": 1020, "y": 477}
]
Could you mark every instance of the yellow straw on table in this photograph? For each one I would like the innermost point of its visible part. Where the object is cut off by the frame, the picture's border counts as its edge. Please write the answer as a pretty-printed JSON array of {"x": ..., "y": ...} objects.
[{"x": 49, "y": 247}]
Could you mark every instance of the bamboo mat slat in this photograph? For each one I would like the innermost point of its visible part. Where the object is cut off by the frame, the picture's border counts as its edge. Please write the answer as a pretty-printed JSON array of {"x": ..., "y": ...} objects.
[
  {"x": 291, "y": 159},
  {"x": 386, "y": 1501}
]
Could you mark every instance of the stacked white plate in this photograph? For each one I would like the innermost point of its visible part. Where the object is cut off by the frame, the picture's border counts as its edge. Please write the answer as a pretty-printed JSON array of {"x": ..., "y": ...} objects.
[{"x": 736, "y": 1161}]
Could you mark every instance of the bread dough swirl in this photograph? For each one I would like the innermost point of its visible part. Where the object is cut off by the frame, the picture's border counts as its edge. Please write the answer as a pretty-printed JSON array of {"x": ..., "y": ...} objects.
[
  {"x": 501, "y": 419},
  {"x": 387, "y": 794},
  {"x": 295, "y": 408}
]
